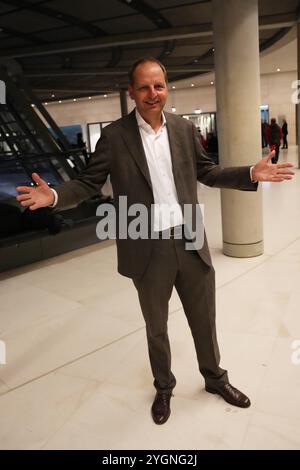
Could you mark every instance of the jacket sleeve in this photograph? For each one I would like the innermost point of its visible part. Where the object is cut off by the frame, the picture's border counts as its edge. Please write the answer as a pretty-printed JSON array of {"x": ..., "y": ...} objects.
[
  {"x": 210, "y": 174},
  {"x": 90, "y": 181}
]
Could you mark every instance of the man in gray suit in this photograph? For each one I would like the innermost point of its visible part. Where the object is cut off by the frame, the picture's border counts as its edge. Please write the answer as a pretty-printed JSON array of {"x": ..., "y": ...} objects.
[{"x": 155, "y": 159}]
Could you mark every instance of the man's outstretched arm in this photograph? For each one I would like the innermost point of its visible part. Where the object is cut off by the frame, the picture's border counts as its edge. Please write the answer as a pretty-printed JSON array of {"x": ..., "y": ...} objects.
[{"x": 71, "y": 193}]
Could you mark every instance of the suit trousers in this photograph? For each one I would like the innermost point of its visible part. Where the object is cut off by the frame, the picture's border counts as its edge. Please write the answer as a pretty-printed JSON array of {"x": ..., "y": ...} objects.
[{"x": 172, "y": 265}]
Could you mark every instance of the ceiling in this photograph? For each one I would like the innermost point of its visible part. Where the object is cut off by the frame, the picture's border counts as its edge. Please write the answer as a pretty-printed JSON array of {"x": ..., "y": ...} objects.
[{"x": 74, "y": 48}]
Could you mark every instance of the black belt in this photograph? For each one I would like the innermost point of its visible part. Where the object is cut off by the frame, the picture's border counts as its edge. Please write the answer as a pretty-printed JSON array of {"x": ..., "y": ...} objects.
[{"x": 172, "y": 232}]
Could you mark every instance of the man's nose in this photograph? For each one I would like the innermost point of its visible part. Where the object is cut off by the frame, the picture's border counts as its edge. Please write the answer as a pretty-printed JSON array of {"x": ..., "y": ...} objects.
[{"x": 152, "y": 92}]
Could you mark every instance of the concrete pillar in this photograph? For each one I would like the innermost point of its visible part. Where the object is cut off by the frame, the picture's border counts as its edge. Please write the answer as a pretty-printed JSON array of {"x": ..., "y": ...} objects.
[
  {"x": 235, "y": 25},
  {"x": 123, "y": 102},
  {"x": 298, "y": 95}
]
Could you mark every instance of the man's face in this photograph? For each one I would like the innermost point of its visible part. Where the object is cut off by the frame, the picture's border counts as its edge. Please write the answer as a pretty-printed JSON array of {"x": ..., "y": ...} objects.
[{"x": 149, "y": 90}]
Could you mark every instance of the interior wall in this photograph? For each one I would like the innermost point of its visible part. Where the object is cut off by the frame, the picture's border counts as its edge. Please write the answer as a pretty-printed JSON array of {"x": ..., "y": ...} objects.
[
  {"x": 276, "y": 91},
  {"x": 188, "y": 99},
  {"x": 84, "y": 111}
]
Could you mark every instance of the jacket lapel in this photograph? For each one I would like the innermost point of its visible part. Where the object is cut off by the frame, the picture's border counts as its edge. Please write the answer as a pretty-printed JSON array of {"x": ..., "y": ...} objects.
[
  {"x": 175, "y": 141},
  {"x": 132, "y": 138}
]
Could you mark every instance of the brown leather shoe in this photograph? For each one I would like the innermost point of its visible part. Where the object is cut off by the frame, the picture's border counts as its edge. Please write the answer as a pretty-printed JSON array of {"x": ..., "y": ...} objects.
[
  {"x": 231, "y": 394},
  {"x": 160, "y": 409}
]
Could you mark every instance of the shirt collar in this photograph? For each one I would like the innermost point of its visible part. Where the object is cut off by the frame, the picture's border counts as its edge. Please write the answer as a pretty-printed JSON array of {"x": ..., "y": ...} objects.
[{"x": 144, "y": 125}]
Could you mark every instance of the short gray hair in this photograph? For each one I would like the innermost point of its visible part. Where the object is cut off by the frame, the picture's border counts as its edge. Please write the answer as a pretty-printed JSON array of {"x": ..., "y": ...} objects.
[{"x": 144, "y": 60}]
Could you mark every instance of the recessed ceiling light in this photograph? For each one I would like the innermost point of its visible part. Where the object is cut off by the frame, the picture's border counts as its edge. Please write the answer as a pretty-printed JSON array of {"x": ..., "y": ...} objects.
[
  {"x": 192, "y": 84},
  {"x": 74, "y": 99},
  {"x": 211, "y": 82},
  {"x": 173, "y": 109},
  {"x": 59, "y": 101},
  {"x": 173, "y": 87},
  {"x": 53, "y": 95},
  {"x": 32, "y": 105},
  {"x": 105, "y": 96},
  {"x": 46, "y": 104},
  {"x": 278, "y": 69},
  {"x": 90, "y": 97}
]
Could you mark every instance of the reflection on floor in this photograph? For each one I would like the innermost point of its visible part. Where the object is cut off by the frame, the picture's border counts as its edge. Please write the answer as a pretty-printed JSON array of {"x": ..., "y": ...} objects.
[{"x": 77, "y": 373}]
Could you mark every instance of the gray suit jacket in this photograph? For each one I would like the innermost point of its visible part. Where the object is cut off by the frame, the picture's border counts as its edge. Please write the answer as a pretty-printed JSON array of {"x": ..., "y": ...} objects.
[{"x": 120, "y": 153}]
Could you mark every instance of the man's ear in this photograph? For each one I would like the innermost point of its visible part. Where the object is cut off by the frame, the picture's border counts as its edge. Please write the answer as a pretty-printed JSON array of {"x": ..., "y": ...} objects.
[{"x": 130, "y": 91}]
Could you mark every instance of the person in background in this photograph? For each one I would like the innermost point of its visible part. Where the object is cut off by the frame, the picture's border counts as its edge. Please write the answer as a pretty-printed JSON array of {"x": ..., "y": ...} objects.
[
  {"x": 284, "y": 130},
  {"x": 274, "y": 136},
  {"x": 202, "y": 140},
  {"x": 264, "y": 127},
  {"x": 212, "y": 143}
]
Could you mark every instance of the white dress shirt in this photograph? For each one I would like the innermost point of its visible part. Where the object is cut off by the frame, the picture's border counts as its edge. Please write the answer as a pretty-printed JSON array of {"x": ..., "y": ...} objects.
[{"x": 167, "y": 211}]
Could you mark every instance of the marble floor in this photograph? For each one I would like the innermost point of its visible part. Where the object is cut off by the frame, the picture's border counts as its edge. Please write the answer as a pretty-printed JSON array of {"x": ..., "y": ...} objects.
[{"x": 77, "y": 373}]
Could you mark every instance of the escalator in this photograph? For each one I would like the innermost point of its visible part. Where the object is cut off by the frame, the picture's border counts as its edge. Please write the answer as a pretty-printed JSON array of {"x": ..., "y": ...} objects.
[{"x": 30, "y": 141}]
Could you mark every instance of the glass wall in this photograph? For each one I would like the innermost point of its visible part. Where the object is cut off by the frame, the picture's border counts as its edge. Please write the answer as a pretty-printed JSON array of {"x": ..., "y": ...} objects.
[
  {"x": 264, "y": 113},
  {"x": 205, "y": 122},
  {"x": 94, "y": 133}
]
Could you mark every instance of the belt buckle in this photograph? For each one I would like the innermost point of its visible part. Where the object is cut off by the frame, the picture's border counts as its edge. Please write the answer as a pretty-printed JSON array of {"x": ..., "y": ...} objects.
[{"x": 171, "y": 232}]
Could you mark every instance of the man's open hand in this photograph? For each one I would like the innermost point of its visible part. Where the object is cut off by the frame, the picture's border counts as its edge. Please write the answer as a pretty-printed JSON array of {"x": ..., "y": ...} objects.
[
  {"x": 35, "y": 196},
  {"x": 274, "y": 172}
]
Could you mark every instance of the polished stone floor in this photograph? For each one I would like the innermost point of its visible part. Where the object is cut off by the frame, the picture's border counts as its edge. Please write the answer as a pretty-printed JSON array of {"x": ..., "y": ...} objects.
[{"x": 77, "y": 373}]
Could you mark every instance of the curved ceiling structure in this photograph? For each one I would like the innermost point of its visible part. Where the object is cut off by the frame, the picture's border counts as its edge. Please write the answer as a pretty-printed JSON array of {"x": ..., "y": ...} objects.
[{"x": 73, "y": 48}]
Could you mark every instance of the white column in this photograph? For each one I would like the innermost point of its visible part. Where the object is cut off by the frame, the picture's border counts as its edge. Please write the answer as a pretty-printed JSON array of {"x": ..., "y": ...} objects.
[{"x": 235, "y": 24}]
